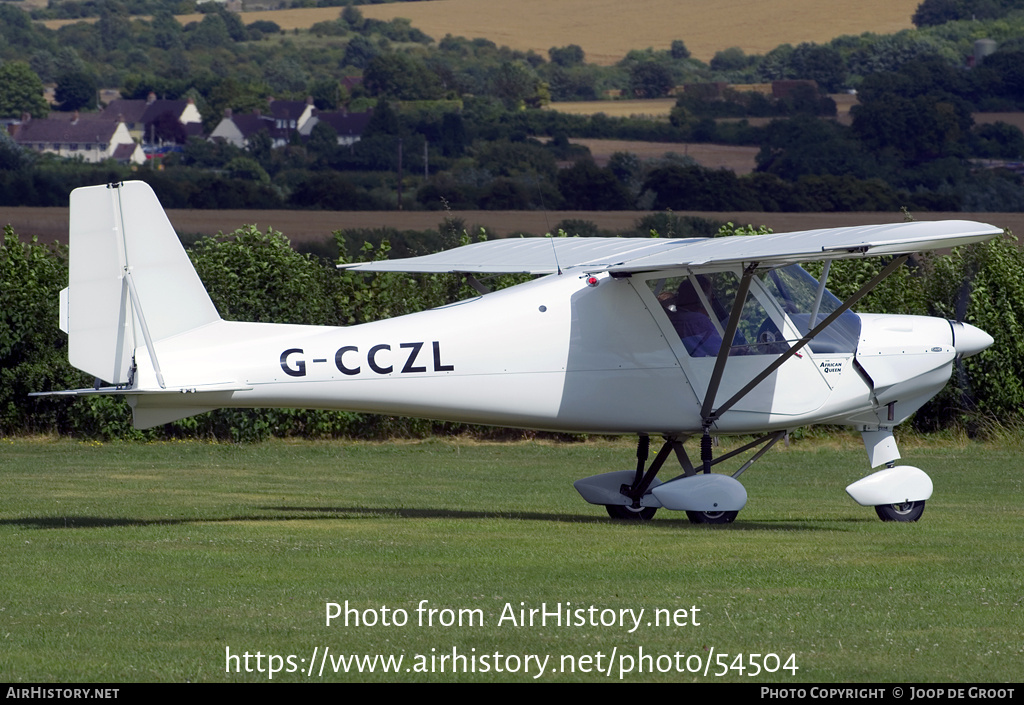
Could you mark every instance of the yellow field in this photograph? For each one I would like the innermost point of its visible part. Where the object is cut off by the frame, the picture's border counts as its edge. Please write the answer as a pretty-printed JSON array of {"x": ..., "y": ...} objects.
[{"x": 608, "y": 29}]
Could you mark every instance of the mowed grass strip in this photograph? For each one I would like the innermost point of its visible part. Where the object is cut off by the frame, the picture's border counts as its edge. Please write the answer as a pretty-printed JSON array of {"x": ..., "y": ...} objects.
[{"x": 147, "y": 562}]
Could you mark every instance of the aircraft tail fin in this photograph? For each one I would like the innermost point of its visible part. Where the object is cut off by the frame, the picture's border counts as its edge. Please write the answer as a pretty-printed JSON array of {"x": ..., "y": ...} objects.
[{"x": 130, "y": 282}]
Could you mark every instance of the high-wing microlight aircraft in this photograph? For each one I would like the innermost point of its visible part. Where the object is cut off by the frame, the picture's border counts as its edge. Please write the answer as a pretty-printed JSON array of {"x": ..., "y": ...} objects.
[{"x": 671, "y": 338}]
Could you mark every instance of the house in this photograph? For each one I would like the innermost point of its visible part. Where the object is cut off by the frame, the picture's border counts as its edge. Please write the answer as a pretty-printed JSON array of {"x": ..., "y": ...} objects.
[
  {"x": 142, "y": 117},
  {"x": 238, "y": 129},
  {"x": 88, "y": 138},
  {"x": 290, "y": 115},
  {"x": 282, "y": 119},
  {"x": 285, "y": 119},
  {"x": 349, "y": 126}
]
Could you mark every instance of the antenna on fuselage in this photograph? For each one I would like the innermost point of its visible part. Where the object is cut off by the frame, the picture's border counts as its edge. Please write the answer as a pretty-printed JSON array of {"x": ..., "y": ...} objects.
[{"x": 554, "y": 251}]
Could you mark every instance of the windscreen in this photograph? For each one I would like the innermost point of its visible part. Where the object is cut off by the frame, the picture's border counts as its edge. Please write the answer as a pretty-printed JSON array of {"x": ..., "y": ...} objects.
[{"x": 796, "y": 291}]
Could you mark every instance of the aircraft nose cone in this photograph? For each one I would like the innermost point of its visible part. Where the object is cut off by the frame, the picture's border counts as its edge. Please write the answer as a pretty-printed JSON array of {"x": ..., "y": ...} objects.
[{"x": 969, "y": 340}]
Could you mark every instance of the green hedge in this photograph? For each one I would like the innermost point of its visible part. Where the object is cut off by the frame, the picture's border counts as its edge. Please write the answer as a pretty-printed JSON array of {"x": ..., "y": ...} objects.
[{"x": 253, "y": 275}]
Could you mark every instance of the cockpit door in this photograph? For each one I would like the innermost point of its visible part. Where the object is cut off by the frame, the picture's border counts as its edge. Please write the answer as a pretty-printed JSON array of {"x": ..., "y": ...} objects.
[{"x": 693, "y": 312}]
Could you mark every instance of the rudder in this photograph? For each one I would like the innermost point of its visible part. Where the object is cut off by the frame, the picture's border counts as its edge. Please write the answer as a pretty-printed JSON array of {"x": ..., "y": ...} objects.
[{"x": 130, "y": 282}]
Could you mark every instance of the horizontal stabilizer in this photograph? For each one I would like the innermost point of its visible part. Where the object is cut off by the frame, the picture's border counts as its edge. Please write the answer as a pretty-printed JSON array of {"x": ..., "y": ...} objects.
[{"x": 126, "y": 391}]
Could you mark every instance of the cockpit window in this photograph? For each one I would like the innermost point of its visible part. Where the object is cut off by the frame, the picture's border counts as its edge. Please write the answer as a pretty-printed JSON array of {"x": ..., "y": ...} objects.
[
  {"x": 698, "y": 307},
  {"x": 797, "y": 291}
]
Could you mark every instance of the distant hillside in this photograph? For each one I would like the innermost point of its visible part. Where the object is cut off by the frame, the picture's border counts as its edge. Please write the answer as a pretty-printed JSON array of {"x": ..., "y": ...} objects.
[{"x": 608, "y": 29}]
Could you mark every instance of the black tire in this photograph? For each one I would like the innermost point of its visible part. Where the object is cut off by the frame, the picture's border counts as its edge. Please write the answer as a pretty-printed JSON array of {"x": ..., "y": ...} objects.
[
  {"x": 905, "y": 511},
  {"x": 711, "y": 517},
  {"x": 621, "y": 511}
]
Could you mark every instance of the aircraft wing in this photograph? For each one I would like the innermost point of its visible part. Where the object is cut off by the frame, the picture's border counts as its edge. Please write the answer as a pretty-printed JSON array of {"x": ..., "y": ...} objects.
[
  {"x": 625, "y": 255},
  {"x": 533, "y": 255}
]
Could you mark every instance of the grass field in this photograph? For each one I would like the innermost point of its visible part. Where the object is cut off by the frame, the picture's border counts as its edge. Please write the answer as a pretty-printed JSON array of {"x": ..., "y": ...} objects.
[{"x": 147, "y": 562}]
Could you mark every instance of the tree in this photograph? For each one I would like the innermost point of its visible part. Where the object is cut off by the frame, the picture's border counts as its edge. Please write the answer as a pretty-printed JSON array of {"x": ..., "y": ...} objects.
[
  {"x": 285, "y": 74},
  {"x": 935, "y": 12},
  {"x": 327, "y": 92},
  {"x": 353, "y": 17},
  {"x": 503, "y": 195},
  {"x": 566, "y": 56},
  {"x": 167, "y": 31},
  {"x": 515, "y": 159},
  {"x": 1002, "y": 76},
  {"x": 731, "y": 59},
  {"x": 261, "y": 27},
  {"x": 586, "y": 186},
  {"x": 234, "y": 94},
  {"x": 453, "y": 135},
  {"x": 260, "y": 146},
  {"x": 44, "y": 64},
  {"x": 212, "y": 32},
  {"x": 21, "y": 91},
  {"x": 332, "y": 191},
  {"x": 915, "y": 129},
  {"x": 114, "y": 25},
  {"x": 575, "y": 83},
  {"x": 167, "y": 128},
  {"x": 822, "y": 64},
  {"x": 998, "y": 140},
  {"x": 13, "y": 159},
  {"x": 323, "y": 142},
  {"x": 246, "y": 168},
  {"x": 931, "y": 13},
  {"x": 359, "y": 51},
  {"x": 678, "y": 50},
  {"x": 696, "y": 188},
  {"x": 401, "y": 76},
  {"x": 76, "y": 90},
  {"x": 383, "y": 120},
  {"x": 807, "y": 145},
  {"x": 650, "y": 79},
  {"x": 515, "y": 83}
]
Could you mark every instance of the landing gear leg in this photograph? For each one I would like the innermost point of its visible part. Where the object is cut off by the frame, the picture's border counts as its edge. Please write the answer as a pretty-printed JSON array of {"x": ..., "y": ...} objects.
[
  {"x": 707, "y": 498},
  {"x": 642, "y": 480}
]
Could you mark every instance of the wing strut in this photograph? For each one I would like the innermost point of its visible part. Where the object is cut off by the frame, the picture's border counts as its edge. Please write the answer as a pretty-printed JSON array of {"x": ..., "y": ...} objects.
[
  {"x": 820, "y": 293},
  {"x": 709, "y": 417},
  {"x": 725, "y": 348}
]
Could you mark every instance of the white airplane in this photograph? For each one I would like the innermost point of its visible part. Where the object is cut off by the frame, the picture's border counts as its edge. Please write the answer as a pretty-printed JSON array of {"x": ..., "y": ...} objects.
[{"x": 622, "y": 336}]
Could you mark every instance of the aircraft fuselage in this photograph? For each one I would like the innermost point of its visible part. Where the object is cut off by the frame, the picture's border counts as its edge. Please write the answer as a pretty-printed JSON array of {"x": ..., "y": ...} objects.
[{"x": 557, "y": 353}]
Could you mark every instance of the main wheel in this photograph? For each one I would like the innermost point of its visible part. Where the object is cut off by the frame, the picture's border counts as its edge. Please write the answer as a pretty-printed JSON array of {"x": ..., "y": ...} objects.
[
  {"x": 711, "y": 517},
  {"x": 622, "y": 511},
  {"x": 905, "y": 511}
]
